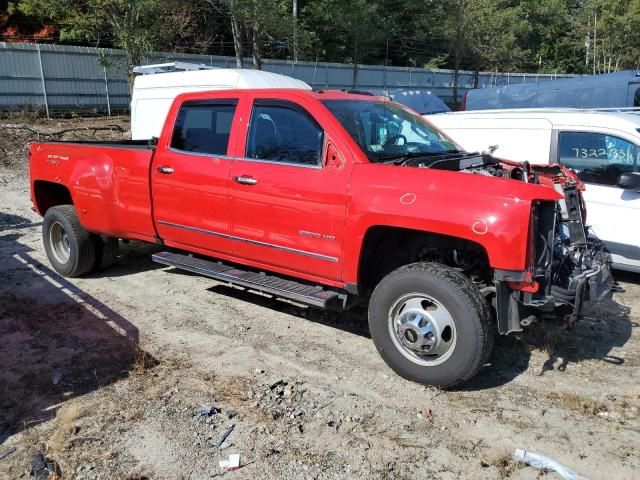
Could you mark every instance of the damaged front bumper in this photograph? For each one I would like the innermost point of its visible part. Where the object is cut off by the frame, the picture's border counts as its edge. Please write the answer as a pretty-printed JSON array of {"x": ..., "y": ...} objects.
[
  {"x": 568, "y": 266},
  {"x": 589, "y": 281}
]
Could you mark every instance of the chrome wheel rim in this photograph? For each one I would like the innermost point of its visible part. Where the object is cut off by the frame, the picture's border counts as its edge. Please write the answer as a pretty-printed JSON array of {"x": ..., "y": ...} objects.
[
  {"x": 60, "y": 243},
  {"x": 422, "y": 329}
]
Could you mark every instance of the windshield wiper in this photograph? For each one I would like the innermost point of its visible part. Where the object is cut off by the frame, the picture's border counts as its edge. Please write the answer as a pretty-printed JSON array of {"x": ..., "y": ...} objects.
[{"x": 403, "y": 157}]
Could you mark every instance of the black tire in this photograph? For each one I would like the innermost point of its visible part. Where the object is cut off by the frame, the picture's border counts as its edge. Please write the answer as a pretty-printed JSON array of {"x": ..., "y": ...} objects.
[
  {"x": 106, "y": 249},
  {"x": 81, "y": 247},
  {"x": 466, "y": 307}
]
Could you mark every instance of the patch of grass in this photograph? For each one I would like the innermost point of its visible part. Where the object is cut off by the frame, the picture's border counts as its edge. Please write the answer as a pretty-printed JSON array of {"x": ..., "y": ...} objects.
[
  {"x": 143, "y": 360},
  {"x": 574, "y": 402},
  {"x": 65, "y": 426}
]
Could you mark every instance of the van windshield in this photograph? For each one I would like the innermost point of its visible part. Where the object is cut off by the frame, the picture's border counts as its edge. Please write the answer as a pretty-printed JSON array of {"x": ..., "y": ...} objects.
[{"x": 386, "y": 130}]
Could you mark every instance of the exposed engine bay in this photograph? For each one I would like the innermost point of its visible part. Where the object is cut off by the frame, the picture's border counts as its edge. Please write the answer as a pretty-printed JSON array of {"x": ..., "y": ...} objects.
[
  {"x": 475, "y": 163},
  {"x": 569, "y": 265}
]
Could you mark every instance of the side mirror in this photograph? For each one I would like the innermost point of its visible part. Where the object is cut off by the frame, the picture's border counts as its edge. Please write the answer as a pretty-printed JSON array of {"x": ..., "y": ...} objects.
[{"x": 629, "y": 181}]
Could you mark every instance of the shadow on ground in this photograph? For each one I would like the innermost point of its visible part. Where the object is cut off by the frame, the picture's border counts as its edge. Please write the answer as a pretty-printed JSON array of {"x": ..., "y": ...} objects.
[
  {"x": 600, "y": 328},
  {"x": 58, "y": 342},
  {"x": 352, "y": 321}
]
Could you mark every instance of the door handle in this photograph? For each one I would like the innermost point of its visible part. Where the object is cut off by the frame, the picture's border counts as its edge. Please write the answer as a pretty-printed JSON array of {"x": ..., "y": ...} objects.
[
  {"x": 245, "y": 180},
  {"x": 165, "y": 170}
]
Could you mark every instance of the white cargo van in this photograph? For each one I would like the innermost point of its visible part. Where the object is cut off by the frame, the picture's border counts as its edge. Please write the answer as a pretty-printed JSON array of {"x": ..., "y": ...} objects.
[
  {"x": 602, "y": 147},
  {"x": 154, "y": 92}
]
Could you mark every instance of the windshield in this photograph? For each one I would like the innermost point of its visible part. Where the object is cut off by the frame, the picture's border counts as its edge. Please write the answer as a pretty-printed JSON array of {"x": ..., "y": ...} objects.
[{"x": 385, "y": 130}]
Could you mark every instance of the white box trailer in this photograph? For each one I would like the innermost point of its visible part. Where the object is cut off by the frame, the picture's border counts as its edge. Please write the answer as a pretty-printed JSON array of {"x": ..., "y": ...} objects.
[{"x": 155, "y": 90}]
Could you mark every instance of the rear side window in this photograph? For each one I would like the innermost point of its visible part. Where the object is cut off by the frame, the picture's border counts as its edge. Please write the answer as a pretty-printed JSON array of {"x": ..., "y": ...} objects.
[
  {"x": 284, "y": 132},
  {"x": 596, "y": 157},
  {"x": 204, "y": 127}
]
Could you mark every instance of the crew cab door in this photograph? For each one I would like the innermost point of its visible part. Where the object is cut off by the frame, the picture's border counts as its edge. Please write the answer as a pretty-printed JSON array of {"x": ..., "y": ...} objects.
[
  {"x": 599, "y": 158},
  {"x": 190, "y": 176},
  {"x": 288, "y": 191}
]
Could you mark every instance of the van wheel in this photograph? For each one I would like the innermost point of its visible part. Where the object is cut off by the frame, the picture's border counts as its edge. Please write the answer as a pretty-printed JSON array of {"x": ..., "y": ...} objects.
[
  {"x": 69, "y": 246},
  {"x": 106, "y": 249},
  {"x": 430, "y": 324}
]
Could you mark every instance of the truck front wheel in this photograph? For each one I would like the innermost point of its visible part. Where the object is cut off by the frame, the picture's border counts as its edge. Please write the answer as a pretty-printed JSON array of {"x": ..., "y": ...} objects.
[
  {"x": 430, "y": 324},
  {"x": 69, "y": 246}
]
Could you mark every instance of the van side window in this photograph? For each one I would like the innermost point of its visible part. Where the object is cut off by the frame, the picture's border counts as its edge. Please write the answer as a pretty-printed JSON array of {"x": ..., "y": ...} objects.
[
  {"x": 596, "y": 157},
  {"x": 204, "y": 127},
  {"x": 636, "y": 98},
  {"x": 283, "y": 132}
]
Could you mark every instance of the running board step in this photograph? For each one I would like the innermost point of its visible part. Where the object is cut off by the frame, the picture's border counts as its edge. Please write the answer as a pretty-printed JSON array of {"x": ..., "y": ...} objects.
[{"x": 259, "y": 281}]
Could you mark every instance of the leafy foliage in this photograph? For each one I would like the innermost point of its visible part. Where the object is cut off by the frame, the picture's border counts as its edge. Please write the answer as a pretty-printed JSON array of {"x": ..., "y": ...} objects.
[{"x": 508, "y": 35}]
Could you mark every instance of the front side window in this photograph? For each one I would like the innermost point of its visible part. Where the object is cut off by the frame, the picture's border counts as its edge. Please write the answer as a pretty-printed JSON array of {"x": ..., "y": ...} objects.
[
  {"x": 384, "y": 130},
  {"x": 204, "y": 127},
  {"x": 596, "y": 157},
  {"x": 283, "y": 132}
]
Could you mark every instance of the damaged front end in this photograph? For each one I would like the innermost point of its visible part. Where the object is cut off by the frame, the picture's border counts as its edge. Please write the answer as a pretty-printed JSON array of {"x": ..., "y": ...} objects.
[{"x": 567, "y": 266}]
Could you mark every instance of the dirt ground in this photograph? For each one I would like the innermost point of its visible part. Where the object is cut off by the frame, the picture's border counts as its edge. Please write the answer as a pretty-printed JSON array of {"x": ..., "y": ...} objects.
[{"x": 136, "y": 373}]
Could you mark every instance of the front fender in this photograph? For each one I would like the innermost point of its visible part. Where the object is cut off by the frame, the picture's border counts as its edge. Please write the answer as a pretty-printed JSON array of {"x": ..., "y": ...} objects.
[{"x": 492, "y": 212}]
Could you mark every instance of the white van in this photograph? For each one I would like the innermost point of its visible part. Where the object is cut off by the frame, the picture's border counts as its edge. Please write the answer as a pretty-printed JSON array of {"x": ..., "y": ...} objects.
[
  {"x": 153, "y": 93},
  {"x": 602, "y": 147}
]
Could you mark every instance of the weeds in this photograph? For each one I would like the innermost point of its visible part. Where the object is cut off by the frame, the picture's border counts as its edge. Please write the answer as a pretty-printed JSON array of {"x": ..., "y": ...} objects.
[{"x": 142, "y": 360}]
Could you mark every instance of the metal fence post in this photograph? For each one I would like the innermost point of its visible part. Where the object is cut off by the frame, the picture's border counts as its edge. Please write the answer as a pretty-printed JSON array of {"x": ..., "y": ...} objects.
[
  {"x": 106, "y": 89},
  {"x": 326, "y": 75},
  {"x": 44, "y": 87}
]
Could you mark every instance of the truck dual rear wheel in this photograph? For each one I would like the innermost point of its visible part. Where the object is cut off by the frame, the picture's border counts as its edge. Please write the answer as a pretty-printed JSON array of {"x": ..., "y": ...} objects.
[
  {"x": 70, "y": 247},
  {"x": 106, "y": 249},
  {"x": 430, "y": 324}
]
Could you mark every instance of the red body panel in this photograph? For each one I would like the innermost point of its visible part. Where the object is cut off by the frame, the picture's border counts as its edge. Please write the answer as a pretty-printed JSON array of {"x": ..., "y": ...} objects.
[
  {"x": 308, "y": 222},
  {"x": 297, "y": 207},
  {"x": 109, "y": 185}
]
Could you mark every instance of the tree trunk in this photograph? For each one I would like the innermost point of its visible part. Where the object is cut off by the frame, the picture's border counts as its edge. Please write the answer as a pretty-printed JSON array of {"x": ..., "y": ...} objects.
[
  {"x": 256, "y": 47},
  {"x": 236, "y": 33},
  {"x": 458, "y": 51},
  {"x": 256, "y": 38}
]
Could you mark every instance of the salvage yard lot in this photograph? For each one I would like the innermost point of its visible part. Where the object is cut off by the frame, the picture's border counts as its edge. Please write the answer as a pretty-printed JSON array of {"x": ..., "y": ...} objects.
[{"x": 107, "y": 375}]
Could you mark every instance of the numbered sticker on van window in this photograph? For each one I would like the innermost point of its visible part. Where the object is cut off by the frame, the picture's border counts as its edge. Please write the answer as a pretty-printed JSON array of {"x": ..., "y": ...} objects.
[{"x": 616, "y": 154}]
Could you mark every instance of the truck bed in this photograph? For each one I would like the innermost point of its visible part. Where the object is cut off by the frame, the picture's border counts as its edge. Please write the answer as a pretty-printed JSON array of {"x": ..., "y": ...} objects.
[
  {"x": 108, "y": 183},
  {"x": 142, "y": 144}
]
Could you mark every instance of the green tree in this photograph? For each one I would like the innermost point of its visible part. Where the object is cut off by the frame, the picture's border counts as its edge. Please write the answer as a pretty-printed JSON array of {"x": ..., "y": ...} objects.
[
  {"x": 346, "y": 28},
  {"x": 551, "y": 37},
  {"x": 255, "y": 23},
  {"x": 481, "y": 35},
  {"x": 136, "y": 26},
  {"x": 614, "y": 39}
]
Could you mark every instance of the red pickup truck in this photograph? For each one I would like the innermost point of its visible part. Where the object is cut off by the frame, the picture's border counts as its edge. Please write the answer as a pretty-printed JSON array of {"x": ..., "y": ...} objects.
[{"x": 327, "y": 199}]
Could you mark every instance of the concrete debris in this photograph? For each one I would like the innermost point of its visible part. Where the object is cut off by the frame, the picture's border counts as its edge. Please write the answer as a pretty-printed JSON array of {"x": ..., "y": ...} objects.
[
  {"x": 43, "y": 468},
  {"x": 206, "y": 411}
]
